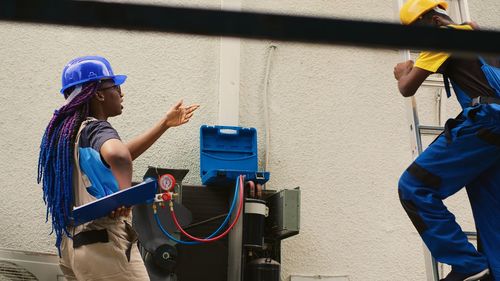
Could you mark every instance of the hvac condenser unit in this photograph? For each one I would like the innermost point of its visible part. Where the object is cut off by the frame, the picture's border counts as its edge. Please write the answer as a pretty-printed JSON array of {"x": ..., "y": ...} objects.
[{"x": 29, "y": 266}]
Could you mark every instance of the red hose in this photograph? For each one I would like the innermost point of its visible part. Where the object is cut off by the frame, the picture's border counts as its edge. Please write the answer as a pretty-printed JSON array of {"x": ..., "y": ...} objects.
[{"x": 240, "y": 206}]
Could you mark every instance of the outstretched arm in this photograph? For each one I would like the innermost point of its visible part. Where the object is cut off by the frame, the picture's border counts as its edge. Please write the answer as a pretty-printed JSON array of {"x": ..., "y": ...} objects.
[
  {"x": 176, "y": 116},
  {"x": 409, "y": 78}
]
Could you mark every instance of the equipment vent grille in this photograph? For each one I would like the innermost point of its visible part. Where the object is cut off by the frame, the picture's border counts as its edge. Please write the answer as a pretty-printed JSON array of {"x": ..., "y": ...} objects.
[{"x": 12, "y": 272}]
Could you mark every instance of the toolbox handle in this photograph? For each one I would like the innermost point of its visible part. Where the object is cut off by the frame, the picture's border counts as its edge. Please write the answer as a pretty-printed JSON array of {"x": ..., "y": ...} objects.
[{"x": 228, "y": 131}]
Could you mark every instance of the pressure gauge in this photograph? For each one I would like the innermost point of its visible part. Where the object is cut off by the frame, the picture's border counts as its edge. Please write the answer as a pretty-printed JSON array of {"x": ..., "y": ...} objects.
[{"x": 167, "y": 182}]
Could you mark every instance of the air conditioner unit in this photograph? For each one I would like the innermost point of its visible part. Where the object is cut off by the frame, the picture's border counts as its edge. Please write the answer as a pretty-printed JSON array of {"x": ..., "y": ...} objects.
[{"x": 29, "y": 266}]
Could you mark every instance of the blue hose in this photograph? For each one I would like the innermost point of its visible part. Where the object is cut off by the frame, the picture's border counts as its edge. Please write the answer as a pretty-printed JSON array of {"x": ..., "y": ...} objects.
[
  {"x": 233, "y": 204},
  {"x": 170, "y": 235}
]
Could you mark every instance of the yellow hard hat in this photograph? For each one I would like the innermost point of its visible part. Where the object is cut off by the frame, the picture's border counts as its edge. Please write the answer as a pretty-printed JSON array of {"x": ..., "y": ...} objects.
[{"x": 413, "y": 9}]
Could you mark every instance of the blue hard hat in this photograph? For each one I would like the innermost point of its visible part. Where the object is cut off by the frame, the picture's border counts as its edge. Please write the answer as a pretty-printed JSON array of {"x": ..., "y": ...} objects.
[{"x": 86, "y": 69}]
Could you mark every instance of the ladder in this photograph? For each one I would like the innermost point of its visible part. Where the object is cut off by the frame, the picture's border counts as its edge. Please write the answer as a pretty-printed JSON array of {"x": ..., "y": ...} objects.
[{"x": 459, "y": 10}]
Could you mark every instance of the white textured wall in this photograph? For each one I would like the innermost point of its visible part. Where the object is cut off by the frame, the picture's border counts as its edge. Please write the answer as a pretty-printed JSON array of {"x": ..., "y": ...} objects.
[
  {"x": 485, "y": 13},
  {"x": 338, "y": 128},
  {"x": 337, "y": 131}
]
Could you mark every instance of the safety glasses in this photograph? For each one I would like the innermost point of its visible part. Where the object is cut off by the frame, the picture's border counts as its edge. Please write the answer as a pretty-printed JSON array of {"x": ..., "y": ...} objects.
[{"x": 114, "y": 87}]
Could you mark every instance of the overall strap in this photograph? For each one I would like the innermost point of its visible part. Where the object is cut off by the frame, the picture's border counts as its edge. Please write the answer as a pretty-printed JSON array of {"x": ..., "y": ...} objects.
[{"x": 80, "y": 180}]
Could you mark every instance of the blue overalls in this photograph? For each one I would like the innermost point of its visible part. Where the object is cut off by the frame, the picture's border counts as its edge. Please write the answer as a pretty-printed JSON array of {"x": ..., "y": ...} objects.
[{"x": 466, "y": 154}]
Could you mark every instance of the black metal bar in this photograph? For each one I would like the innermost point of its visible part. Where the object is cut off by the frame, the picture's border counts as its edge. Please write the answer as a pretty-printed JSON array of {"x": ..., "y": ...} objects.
[{"x": 248, "y": 25}]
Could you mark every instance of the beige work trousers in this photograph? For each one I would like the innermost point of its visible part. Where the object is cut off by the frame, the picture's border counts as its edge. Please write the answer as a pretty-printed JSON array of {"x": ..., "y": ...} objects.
[{"x": 104, "y": 261}]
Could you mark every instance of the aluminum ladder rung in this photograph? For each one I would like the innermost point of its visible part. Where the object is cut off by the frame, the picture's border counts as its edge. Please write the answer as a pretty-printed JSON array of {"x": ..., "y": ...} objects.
[{"x": 430, "y": 130}]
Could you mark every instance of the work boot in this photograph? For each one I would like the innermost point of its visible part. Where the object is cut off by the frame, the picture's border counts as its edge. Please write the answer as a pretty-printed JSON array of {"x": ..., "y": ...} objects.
[{"x": 457, "y": 276}]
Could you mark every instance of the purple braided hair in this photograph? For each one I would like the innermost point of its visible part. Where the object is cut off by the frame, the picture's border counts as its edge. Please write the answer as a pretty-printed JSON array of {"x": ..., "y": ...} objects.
[{"x": 55, "y": 169}]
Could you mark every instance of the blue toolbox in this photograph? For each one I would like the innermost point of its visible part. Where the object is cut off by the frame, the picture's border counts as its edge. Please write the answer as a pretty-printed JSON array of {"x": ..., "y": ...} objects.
[{"x": 227, "y": 152}]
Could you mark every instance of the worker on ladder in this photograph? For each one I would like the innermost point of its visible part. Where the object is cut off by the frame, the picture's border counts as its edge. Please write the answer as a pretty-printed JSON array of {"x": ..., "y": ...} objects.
[{"x": 466, "y": 154}]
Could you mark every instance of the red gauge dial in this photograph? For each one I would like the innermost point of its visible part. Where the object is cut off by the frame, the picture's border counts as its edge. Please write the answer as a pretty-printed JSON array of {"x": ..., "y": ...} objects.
[{"x": 167, "y": 182}]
